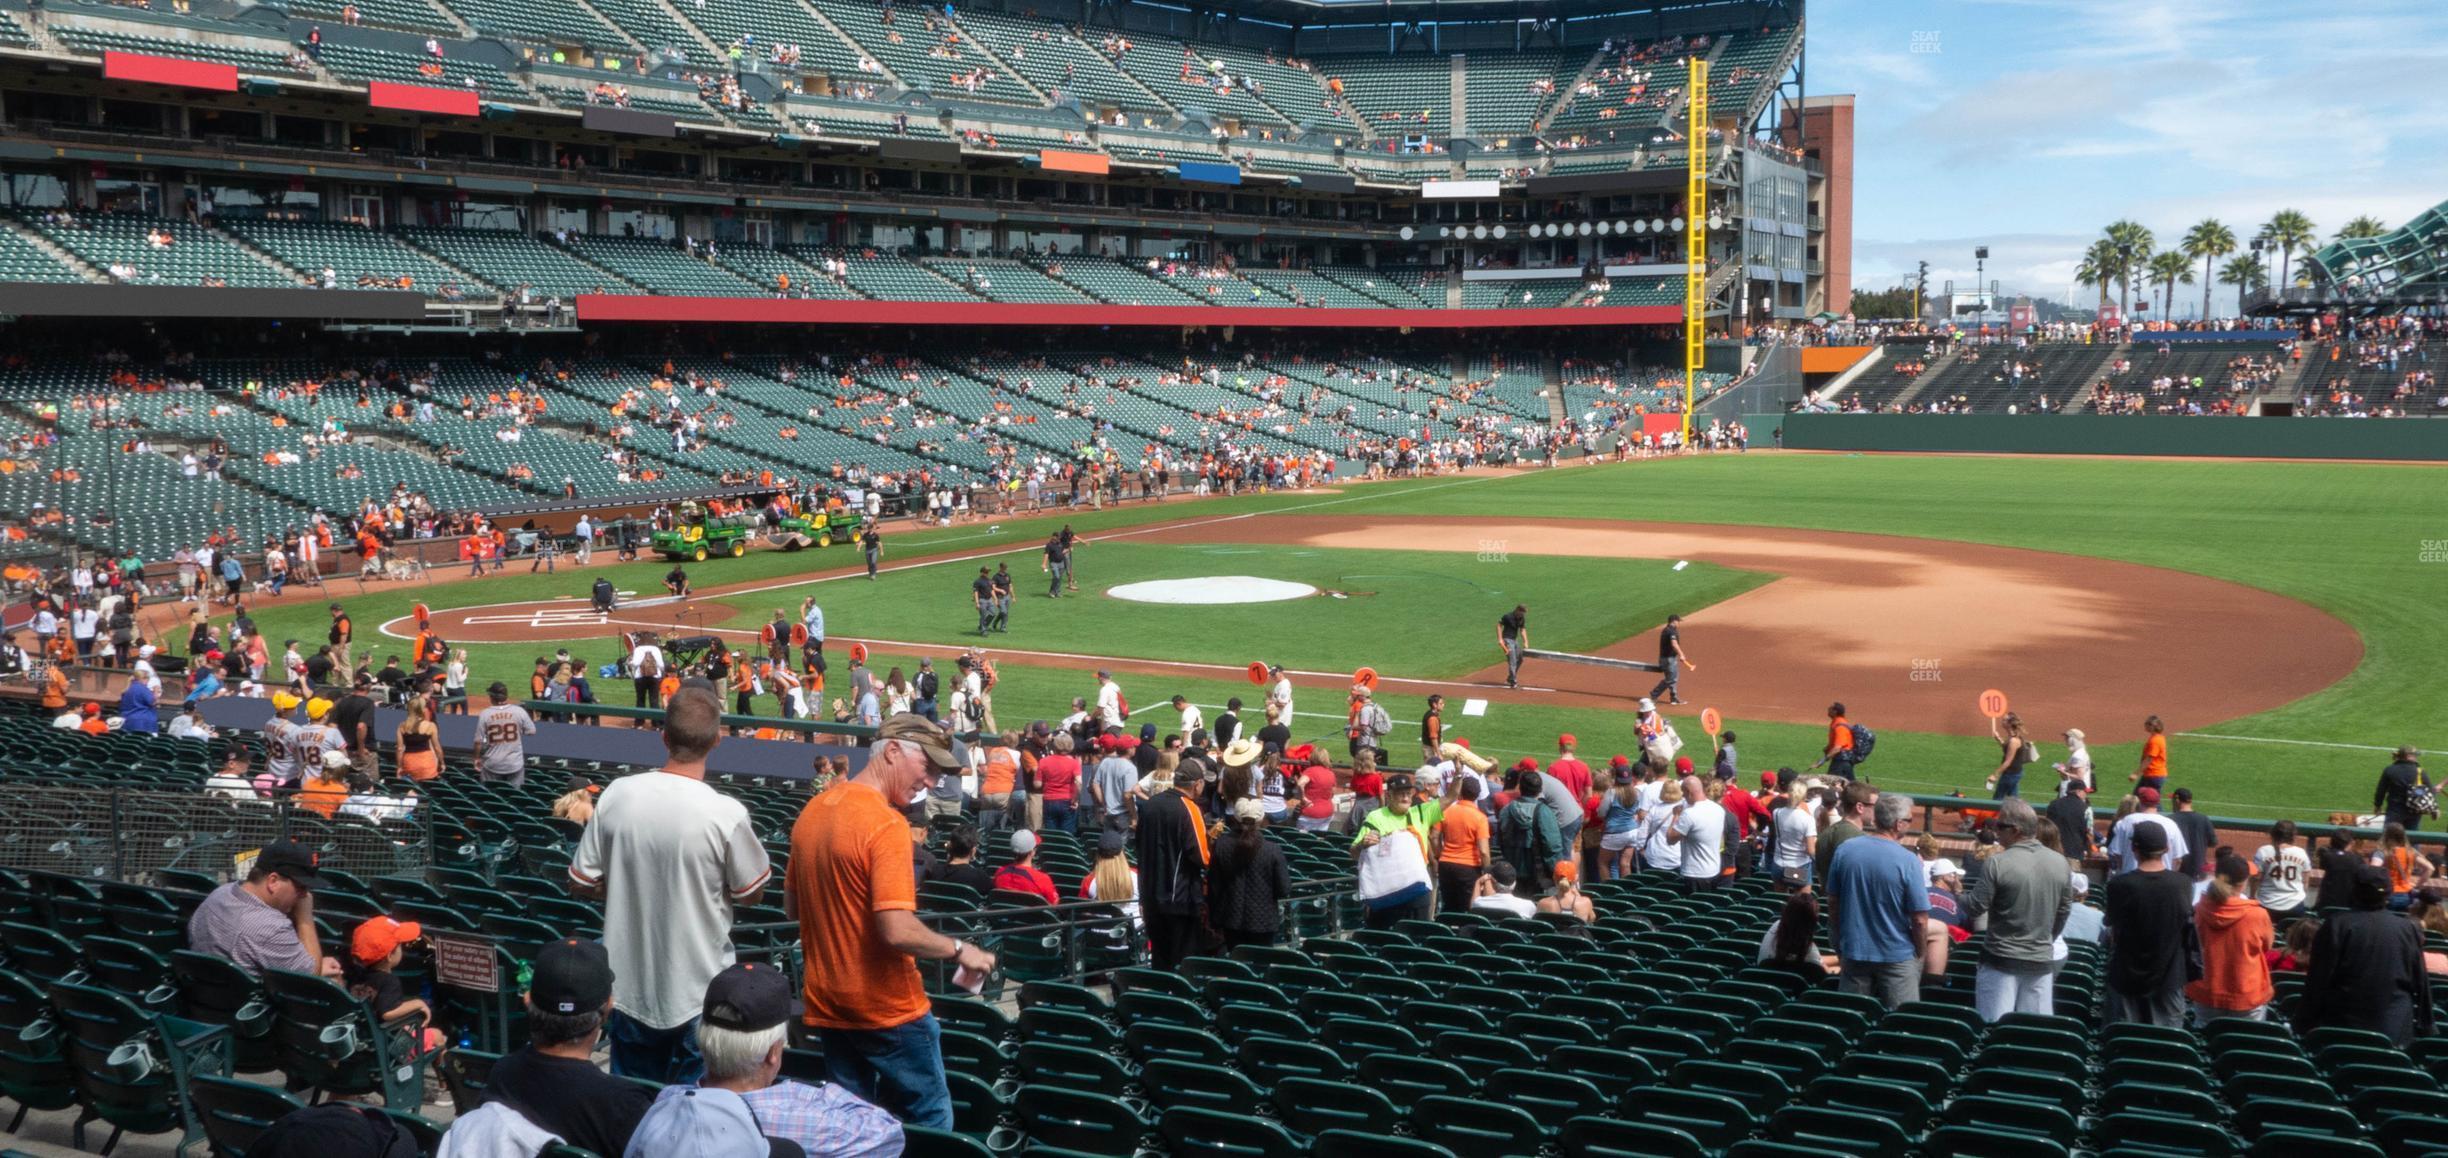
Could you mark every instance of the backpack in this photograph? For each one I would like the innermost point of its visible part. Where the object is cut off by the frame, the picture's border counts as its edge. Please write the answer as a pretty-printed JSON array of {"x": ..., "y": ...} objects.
[
  {"x": 650, "y": 666},
  {"x": 1863, "y": 740},
  {"x": 1122, "y": 705}
]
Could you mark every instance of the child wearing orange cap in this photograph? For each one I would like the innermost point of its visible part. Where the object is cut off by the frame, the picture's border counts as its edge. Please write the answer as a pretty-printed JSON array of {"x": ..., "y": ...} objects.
[{"x": 374, "y": 951}]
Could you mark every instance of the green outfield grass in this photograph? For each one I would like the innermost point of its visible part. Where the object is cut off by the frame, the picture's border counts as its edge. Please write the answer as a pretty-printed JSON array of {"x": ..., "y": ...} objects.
[{"x": 2348, "y": 538}]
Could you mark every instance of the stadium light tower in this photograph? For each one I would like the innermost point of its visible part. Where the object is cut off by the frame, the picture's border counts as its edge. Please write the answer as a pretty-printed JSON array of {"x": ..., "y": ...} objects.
[{"x": 1980, "y": 278}]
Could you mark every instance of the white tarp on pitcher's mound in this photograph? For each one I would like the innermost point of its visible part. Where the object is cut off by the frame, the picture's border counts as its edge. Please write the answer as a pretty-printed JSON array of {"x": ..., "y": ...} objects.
[{"x": 1212, "y": 589}]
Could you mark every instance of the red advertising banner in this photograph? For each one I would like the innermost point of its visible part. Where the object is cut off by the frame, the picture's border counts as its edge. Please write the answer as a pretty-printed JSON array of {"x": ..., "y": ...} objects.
[
  {"x": 170, "y": 70},
  {"x": 417, "y": 98}
]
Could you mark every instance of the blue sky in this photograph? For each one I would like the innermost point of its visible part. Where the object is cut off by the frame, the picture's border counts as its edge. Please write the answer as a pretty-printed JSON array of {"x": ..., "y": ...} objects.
[{"x": 2026, "y": 125}]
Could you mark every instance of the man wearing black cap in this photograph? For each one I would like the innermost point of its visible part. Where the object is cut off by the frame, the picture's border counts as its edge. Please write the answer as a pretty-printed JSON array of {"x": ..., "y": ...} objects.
[
  {"x": 554, "y": 1083},
  {"x": 353, "y": 715},
  {"x": 748, "y": 1009},
  {"x": 2150, "y": 933},
  {"x": 267, "y": 920}
]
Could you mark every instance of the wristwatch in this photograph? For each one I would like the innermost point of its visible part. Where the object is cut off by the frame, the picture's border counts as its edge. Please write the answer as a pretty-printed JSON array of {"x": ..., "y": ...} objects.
[{"x": 958, "y": 946}]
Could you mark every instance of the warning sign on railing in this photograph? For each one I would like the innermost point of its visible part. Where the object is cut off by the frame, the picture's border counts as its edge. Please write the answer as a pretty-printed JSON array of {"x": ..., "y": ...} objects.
[{"x": 465, "y": 962}]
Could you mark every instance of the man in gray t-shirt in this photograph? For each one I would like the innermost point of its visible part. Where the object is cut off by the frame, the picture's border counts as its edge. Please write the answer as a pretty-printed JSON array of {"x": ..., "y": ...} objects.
[
  {"x": 1115, "y": 776},
  {"x": 501, "y": 738}
]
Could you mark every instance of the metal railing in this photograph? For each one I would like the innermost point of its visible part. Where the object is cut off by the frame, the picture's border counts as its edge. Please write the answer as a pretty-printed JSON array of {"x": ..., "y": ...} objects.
[{"x": 128, "y": 834}]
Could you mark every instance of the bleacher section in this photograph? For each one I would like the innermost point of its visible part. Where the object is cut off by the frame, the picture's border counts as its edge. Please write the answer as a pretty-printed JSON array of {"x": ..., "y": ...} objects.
[
  {"x": 349, "y": 251},
  {"x": 1004, "y": 280},
  {"x": 1504, "y": 93},
  {"x": 355, "y": 62},
  {"x": 1184, "y": 78},
  {"x": 536, "y": 24},
  {"x": 1744, "y": 70},
  {"x": 660, "y": 266},
  {"x": 1991, "y": 378},
  {"x": 406, "y": 15},
  {"x": 509, "y": 261},
  {"x": 1116, "y": 282},
  {"x": 1540, "y": 294},
  {"x": 1396, "y": 95},
  {"x": 191, "y": 254},
  {"x": 1059, "y": 65},
  {"x": 767, "y": 267},
  {"x": 248, "y": 58},
  {"x": 925, "y": 49},
  {"x": 22, "y": 260}
]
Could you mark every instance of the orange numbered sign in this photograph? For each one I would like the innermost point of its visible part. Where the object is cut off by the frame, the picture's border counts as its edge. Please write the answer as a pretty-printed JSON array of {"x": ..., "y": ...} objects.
[
  {"x": 1710, "y": 721},
  {"x": 1257, "y": 673},
  {"x": 1993, "y": 703}
]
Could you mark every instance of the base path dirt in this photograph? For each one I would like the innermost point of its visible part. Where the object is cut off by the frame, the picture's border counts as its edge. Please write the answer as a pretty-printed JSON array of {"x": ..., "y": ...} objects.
[{"x": 1906, "y": 632}]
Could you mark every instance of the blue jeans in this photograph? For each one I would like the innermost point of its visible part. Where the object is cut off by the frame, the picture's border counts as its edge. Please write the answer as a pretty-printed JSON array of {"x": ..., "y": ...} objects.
[
  {"x": 900, "y": 1069},
  {"x": 2010, "y": 784},
  {"x": 640, "y": 1050},
  {"x": 1059, "y": 818}
]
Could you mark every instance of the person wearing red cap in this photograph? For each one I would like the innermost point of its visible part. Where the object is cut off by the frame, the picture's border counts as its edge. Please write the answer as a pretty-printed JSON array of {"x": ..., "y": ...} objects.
[
  {"x": 374, "y": 951},
  {"x": 1569, "y": 768},
  {"x": 94, "y": 724}
]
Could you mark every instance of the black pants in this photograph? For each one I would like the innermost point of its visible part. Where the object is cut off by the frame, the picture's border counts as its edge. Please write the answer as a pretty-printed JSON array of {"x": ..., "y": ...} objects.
[
  {"x": 649, "y": 692},
  {"x": 1235, "y": 938},
  {"x": 1171, "y": 937},
  {"x": 1454, "y": 885},
  {"x": 1387, "y": 917}
]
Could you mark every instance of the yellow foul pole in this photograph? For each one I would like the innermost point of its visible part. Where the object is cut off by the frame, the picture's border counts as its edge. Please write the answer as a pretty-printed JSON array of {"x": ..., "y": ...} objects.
[{"x": 1695, "y": 236}]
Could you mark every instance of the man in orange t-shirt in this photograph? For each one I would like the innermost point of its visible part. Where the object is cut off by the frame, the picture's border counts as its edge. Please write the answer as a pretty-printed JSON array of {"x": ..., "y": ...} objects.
[
  {"x": 852, "y": 886},
  {"x": 1462, "y": 847}
]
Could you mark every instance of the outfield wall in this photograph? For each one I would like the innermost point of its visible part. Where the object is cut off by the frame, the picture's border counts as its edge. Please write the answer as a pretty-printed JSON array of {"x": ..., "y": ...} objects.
[{"x": 2160, "y": 434}]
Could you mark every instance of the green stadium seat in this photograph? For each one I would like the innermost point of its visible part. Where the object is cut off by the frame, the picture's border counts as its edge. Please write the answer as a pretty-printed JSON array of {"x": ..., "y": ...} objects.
[
  {"x": 1312, "y": 1106},
  {"x": 1191, "y": 1130},
  {"x": 1088, "y": 1123},
  {"x": 233, "y": 1113},
  {"x": 1475, "y": 1129}
]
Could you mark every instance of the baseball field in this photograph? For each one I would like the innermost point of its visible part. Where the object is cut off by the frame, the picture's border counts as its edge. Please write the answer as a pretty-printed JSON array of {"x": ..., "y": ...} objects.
[{"x": 2284, "y": 619}]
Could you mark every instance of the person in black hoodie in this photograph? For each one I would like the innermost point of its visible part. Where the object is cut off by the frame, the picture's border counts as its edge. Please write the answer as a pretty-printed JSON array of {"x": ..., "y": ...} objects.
[{"x": 2367, "y": 969}]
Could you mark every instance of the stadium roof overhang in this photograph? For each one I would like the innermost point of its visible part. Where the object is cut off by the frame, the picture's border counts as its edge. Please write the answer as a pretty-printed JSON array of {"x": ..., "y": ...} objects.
[{"x": 593, "y": 308}]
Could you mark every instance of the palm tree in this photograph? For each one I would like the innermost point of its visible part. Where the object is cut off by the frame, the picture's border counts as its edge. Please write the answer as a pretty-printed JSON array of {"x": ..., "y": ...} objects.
[
  {"x": 2361, "y": 227},
  {"x": 2209, "y": 240},
  {"x": 2132, "y": 244},
  {"x": 2245, "y": 274},
  {"x": 2168, "y": 269},
  {"x": 2289, "y": 230},
  {"x": 2098, "y": 268}
]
